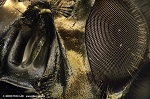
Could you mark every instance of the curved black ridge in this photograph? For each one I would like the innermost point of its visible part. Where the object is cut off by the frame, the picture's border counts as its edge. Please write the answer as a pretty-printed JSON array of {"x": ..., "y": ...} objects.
[
  {"x": 116, "y": 40},
  {"x": 31, "y": 53},
  {"x": 33, "y": 33}
]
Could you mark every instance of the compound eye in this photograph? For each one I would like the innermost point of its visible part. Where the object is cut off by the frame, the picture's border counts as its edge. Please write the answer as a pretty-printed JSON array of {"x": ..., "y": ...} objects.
[
  {"x": 2, "y": 2},
  {"x": 116, "y": 41}
]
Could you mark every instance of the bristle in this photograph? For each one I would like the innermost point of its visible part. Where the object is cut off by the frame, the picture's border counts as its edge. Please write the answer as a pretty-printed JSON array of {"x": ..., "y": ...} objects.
[{"x": 59, "y": 8}]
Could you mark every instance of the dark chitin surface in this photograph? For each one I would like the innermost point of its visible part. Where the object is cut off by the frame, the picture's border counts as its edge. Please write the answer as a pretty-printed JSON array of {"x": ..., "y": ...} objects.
[
  {"x": 116, "y": 40},
  {"x": 30, "y": 51}
]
